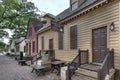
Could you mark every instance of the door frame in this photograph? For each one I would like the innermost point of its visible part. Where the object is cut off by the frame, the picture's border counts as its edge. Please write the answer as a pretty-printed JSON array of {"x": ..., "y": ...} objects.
[{"x": 103, "y": 26}]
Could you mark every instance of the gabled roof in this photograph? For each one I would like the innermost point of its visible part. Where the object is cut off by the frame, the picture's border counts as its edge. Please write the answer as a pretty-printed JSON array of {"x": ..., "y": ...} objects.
[
  {"x": 37, "y": 24},
  {"x": 67, "y": 13},
  {"x": 49, "y": 15}
]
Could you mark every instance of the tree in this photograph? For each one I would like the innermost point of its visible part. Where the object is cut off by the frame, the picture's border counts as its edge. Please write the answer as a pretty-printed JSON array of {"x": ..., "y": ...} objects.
[
  {"x": 14, "y": 15},
  {"x": 3, "y": 46}
]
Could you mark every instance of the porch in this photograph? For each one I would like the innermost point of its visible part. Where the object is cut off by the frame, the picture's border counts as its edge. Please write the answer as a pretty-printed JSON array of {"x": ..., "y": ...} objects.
[{"x": 80, "y": 69}]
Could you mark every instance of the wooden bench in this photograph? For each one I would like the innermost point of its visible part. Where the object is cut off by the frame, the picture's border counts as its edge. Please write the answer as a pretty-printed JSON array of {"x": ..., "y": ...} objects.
[{"x": 38, "y": 69}]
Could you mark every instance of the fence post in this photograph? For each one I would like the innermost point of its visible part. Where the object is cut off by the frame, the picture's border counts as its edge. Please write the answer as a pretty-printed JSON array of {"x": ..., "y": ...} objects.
[
  {"x": 68, "y": 72},
  {"x": 87, "y": 56}
]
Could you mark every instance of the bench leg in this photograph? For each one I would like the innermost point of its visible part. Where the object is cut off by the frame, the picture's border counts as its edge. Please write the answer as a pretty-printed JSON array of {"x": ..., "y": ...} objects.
[
  {"x": 32, "y": 70},
  {"x": 40, "y": 72}
]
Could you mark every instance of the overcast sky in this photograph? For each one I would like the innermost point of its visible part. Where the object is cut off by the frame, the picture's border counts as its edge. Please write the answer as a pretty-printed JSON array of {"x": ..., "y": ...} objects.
[{"x": 51, "y": 6}]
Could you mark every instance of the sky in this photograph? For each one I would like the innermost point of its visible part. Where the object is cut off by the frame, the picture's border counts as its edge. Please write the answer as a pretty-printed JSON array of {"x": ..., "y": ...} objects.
[{"x": 51, "y": 6}]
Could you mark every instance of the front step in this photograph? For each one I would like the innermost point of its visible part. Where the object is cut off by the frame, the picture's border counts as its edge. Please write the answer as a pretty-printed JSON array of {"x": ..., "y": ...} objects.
[
  {"x": 82, "y": 77},
  {"x": 86, "y": 72},
  {"x": 89, "y": 72}
]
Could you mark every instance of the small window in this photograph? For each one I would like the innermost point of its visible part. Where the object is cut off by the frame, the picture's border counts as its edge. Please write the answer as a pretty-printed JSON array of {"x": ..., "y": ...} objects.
[
  {"x": 74, "y": 4},
  {"x": 73, "y": 1},
  {"x": 17, "y": 48},
  {"x": 42, "y": 42},
  {"x": 33, "y": 46},
  {"x": 27, "y": 47},
  {"x": 73, "y": 37}
]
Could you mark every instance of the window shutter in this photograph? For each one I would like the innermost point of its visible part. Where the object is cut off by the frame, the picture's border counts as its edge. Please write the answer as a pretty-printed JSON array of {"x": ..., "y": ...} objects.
[
  {"x": 42, "y": 42},
  {"x": 60, "y": 40},
  {"x": 73, "y": 37}
]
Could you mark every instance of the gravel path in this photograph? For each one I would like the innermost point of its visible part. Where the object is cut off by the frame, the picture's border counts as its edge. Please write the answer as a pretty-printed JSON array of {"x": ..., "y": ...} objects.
[{"x": 10, "y": 70}]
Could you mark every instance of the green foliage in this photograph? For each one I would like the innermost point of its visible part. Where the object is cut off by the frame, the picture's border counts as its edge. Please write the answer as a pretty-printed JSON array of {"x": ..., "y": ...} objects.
[
  {"x": 3, "y": 46},
  {"x": 14, "y": 15}
]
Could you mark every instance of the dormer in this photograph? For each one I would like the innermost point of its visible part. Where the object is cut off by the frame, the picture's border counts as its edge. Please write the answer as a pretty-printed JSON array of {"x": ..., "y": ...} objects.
[
  {"x": 75, "y": 3},
  {"x": 47, "y": 18}
]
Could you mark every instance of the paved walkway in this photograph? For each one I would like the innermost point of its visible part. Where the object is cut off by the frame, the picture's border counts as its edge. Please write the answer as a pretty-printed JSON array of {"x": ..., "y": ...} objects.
[{"x": 10, "y": 70}]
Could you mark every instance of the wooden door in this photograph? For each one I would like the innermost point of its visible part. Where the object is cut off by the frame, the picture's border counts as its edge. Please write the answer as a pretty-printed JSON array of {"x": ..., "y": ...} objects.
[
  {"x": 99, "y": 44},
  {"x": 51, "y": 46}
]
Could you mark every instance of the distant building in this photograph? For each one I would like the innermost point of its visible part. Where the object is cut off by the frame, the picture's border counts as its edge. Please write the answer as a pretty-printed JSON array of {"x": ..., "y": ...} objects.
[
  {"x": 31, "y": 37},
  {"x": 20, "y": 45},
  {"x": 12, "y": 47}
]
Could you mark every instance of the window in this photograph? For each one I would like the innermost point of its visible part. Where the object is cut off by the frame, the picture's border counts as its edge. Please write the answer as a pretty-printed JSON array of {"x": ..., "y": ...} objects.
[
  {"x": 73, "y": 37},
  {"x": 60, "y": 40},
  {"x": 27, "y": 47},
  {"x": 33, "y": 46},
  {"x": 42, "y": 42},
  {"x": 74, "y": 4},
  {"x": 17, "y": 48},
  {"x": 73, "y": 1}
]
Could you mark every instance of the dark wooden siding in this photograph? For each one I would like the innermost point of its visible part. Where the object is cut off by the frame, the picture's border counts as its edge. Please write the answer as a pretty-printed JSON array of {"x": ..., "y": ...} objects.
[{"x": 73, "y": 37}]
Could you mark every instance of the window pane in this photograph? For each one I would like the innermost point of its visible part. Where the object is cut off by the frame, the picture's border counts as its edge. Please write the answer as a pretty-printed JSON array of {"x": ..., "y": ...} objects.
[
  {"x": 74, "y": 6},
  {"x": 72, "y": 1}
]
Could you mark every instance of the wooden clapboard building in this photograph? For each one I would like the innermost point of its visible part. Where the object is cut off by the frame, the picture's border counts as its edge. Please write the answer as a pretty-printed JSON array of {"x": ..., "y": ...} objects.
[
  {"x": 31, "y": 37},
  {"x": 89, "y": 38}
]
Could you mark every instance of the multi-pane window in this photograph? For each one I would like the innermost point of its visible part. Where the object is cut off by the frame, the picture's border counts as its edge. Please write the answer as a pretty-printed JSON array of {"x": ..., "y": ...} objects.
[
  {"x": 74, "y": 4},
  {"x": 33, "y": 46},
  {"x": 73, "y": 37},
  {"x": 42, "y": 42},
  {"x": 60, "y": 40},
  {"x": 17, "y": 48}
]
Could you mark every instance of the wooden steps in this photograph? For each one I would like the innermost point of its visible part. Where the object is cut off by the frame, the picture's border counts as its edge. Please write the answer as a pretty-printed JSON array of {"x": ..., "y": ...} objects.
[
  {"x": 89, "y": 72},
  {"x": 86, "y": 72}
]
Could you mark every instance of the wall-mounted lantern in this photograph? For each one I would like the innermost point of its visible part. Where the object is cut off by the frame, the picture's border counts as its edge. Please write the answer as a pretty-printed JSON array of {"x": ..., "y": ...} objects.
[{"x": 112, "y": 27}]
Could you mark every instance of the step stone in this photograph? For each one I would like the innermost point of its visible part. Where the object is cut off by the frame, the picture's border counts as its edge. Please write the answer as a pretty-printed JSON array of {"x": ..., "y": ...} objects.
[
  {"x": 85, "y": 72},
  {"x": 82, "y": 77}
]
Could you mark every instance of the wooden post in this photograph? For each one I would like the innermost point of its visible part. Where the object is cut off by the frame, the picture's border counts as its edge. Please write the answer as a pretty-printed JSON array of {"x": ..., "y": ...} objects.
[
  {"x": 79, "y": 57},
  {"x": 87, "y": 56},
  {"x": 68, "y": 72}
]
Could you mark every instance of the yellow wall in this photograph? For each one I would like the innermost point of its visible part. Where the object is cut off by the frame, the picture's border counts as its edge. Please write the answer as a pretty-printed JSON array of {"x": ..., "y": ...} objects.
[
  {"x": 101, "y": 17},
  {"x": 48, "y": 35}
]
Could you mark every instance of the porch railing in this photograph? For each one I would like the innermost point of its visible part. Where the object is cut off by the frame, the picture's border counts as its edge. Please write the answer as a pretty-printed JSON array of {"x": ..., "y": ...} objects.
[
  {"x": 36, "y": 57},
  {"x": 81, "y": 58},
  {"x": 50, "y": 52},
  {"x": 107, "y": 64}
]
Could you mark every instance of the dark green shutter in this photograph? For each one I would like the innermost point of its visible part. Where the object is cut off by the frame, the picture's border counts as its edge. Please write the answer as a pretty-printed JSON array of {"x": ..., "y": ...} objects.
[
  {"x": 42, "y": 42},
  {"x": 60, "y": 40},
  {"x": 73, "y": 37}
]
